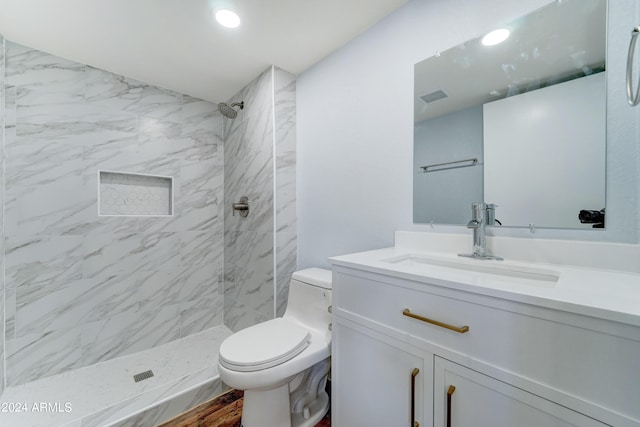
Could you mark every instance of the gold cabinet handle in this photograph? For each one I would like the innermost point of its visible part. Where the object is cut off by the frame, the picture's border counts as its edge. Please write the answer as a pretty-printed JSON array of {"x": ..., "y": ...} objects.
[
  {"x": 449, "y": 394},
  {"x": 414, "y": 374},
  {"x": 461, "y": 329}
]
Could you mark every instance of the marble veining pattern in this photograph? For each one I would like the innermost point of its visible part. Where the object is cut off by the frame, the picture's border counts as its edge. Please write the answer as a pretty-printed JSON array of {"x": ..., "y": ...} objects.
[
  {"x": 285, "y": 209},
  {"x": 286, "y": 250},
  {"x": 50, "y": 261},
  {"x": 34, "y": 356},
  {"x": 185, "y": 374},
  {"x": 3, "y": 120},
  {"x": 200, "y": 314},
  {"x": 128, "y": 333},
  {"x": 248, "y": 242},
  {"x": 40, "y": 310},
  {"x": 252, "y": 244},
  {"x": 164, "y": 404},
  {"x": 82, "y": 288},
  {"x": 253, "y": 270}
]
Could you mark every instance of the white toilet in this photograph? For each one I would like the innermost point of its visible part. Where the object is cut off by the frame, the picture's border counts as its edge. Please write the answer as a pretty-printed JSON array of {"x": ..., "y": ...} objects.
[{"x": 282, "y": 364}]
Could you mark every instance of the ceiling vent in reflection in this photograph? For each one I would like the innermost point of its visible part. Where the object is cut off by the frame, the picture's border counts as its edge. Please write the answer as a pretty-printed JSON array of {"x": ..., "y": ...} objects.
[{"x": 434, "y": 96}]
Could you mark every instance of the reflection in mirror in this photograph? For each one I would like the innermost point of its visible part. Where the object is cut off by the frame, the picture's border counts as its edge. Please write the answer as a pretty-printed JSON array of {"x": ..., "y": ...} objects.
[{"x": 520, "y": 123}]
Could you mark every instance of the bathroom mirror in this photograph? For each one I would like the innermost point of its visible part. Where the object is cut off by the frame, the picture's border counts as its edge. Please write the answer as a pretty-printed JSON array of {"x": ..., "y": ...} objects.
[{"x": 520, "y": 123}]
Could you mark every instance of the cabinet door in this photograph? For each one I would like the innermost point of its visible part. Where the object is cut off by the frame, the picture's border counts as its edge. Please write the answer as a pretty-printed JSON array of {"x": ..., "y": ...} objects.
[
  {"x": 467, "y": 398},
  {"x": 372, "y": 382}
]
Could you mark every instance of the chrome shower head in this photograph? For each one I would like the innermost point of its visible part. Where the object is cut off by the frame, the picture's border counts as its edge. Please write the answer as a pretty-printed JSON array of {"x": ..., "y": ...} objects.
[{"x": 228, "y": 110}]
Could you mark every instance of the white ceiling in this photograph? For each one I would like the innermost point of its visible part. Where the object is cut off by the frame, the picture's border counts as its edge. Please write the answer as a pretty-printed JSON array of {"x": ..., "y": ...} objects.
[{"x": 174, "y": 44}]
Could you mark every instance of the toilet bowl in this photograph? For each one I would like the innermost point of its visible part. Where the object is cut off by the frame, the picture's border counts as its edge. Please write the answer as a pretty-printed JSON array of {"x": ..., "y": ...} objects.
[{"x": 282, "y": 364}]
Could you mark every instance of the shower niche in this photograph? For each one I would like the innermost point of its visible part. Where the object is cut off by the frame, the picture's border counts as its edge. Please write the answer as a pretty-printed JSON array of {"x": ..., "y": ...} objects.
[{"x": 133, "y": 194}]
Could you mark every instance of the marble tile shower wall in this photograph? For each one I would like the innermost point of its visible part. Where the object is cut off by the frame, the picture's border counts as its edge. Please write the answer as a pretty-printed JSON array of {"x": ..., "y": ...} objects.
[
  {"x": 81, "y": 288},
  {"x": 265, "y": 127},
  {"x": 2, "y": 102},
  {"x": 248, "y": 242},
  {"x": 286, "y": 224}
]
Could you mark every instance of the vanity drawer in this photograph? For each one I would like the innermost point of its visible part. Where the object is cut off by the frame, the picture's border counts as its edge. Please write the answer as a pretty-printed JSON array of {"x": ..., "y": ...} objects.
[
  {"x": 481, "y": 331},
  {"x": 539, "y": 348}
]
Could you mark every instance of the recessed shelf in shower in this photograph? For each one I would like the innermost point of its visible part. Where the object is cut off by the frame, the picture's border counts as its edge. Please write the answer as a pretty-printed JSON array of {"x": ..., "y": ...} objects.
[{"x": 134, "y": 194}]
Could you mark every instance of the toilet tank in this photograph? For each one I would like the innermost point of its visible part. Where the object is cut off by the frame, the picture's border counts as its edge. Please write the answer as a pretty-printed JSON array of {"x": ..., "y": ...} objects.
[{"x": 310, "y": 298}]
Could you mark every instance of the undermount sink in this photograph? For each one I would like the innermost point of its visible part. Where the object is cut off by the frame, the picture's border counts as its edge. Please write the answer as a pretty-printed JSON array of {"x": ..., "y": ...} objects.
[{"x": 540, "y": 276}]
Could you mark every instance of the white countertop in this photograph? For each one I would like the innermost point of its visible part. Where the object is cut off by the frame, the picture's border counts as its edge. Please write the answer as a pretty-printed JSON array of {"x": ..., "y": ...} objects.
[{"x": 606, "y": 294}]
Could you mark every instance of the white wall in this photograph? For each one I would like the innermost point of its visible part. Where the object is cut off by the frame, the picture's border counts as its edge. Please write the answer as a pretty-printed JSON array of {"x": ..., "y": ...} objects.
[{"x": 355, "y": 129}]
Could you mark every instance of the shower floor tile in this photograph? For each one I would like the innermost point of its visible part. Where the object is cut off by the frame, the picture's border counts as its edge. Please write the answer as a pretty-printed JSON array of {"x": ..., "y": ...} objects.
[{"x": 106, "y": 392}]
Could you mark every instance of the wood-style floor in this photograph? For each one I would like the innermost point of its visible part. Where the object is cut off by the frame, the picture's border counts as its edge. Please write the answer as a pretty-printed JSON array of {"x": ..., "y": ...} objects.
[{"x": 222, "y": 411}]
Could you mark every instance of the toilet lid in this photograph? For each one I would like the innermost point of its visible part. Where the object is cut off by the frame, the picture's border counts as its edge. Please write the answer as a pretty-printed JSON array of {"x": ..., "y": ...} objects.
[{"x": 263, "y": 345}]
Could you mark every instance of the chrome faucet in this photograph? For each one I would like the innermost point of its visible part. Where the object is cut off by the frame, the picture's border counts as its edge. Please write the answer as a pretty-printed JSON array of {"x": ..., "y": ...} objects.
[{"x": 481, "y": 215}]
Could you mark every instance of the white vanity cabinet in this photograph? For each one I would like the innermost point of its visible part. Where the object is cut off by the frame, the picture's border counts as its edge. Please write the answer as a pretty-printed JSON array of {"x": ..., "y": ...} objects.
[
  {"x": 510, "y": 363},
  {"x": 380, "y": 380},
  {"x": 467, "y": 398}
]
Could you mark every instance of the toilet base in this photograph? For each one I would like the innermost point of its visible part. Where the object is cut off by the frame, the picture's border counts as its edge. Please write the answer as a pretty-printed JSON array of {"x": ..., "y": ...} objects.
[
  {"x": 317, "y": 410},
  {"x": 266, "y": 408},
  {"x": 271, "y": 408}
]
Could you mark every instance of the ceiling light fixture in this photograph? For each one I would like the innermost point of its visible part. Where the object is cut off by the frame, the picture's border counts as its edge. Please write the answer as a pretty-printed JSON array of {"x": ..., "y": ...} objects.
[
  {"x": 227, "y": 18},
  {"x": 495, "y": 37}
]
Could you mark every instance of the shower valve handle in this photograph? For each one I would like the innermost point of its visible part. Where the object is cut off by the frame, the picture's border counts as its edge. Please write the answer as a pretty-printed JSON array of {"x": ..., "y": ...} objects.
[{"x": 242, "y": 207}]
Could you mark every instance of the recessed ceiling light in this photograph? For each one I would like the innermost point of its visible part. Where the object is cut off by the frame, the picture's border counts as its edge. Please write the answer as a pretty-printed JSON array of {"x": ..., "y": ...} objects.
[
  {"x": 495, "y": 37},
  {"x": 227, "y": 18}
]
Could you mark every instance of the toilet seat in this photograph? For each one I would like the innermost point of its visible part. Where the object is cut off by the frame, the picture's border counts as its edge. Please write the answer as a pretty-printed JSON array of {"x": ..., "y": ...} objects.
[{"x": 263, "y": 345}]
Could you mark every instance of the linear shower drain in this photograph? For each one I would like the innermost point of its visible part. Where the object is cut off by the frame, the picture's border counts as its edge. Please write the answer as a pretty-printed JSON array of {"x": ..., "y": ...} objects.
[{"x": 143, "y": 375}]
